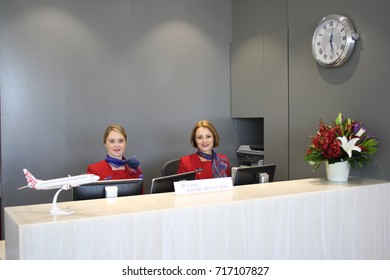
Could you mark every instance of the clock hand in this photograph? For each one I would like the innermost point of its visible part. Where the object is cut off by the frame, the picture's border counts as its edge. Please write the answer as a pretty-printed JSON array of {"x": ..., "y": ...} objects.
[{"x": 331, "y": 42}]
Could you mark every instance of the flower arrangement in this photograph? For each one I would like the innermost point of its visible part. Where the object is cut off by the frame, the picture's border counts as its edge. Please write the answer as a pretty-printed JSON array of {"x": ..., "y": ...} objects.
[{"x": 344, "y": 140}]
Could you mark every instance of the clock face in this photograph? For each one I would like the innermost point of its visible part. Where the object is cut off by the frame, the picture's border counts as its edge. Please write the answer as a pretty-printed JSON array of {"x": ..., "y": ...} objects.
[{"x": 333, "y": 41}]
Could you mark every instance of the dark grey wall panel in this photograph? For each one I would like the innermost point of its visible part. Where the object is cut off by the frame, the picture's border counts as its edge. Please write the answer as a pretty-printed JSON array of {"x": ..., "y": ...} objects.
[
  {"x": 259, "y": 88},
  {"x": 247, "y": 77},
  {"x": 70, "y": 68},
  {"x": 181, "y": 75},
  {"x": 253, "y": 17},
  {"x": 359, "y": 88},
  {"x": 276, "y": 101}
]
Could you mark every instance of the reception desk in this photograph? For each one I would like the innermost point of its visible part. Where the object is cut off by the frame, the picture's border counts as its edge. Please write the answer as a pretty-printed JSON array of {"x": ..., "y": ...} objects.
[{"x": 298, "y": 219}]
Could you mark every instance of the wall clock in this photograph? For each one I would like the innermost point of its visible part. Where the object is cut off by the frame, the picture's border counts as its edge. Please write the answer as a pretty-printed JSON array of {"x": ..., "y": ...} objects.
[{"x": 333, "y": 40}]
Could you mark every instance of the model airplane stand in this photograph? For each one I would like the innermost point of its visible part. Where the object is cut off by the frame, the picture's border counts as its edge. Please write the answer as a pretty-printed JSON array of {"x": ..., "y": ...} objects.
[
  {"x": 57, "y": 210},
  {"x": 65, "y": 183}
]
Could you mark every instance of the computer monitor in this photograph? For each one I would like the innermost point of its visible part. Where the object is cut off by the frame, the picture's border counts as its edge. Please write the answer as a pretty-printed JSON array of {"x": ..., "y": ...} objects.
[
  {"x": 165, "y": 183},
  {"x": 245, "y": 175},
  {"x": 97, "y": 189}
]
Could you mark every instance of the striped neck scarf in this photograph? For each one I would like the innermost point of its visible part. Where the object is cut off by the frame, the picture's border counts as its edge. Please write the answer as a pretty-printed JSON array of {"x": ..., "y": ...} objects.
[{"x": 219, "y": 165}]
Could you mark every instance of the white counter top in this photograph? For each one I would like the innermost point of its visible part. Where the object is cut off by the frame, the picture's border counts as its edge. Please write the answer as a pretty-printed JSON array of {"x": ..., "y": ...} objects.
[
  {"x": 2, "y": 250},
  {"x": 299, "y": 219}
]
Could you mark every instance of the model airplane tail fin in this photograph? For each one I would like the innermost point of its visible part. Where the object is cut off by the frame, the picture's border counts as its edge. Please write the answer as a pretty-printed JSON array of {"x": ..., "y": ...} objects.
[{"x": 32, "y": 182}]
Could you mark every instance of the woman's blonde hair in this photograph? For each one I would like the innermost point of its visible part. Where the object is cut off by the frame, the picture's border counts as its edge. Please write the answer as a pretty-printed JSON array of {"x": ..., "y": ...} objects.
[
  {"x": 114, "y": 127},
  {"x": 207, "y": 124}
]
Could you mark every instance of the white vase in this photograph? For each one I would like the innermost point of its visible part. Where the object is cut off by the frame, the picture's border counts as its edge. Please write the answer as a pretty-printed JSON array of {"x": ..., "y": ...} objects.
[{"x": 337, "y": 172}]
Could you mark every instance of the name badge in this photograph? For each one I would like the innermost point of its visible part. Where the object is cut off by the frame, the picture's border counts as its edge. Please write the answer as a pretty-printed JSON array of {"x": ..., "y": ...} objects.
[{"x": 203, "y": 185}]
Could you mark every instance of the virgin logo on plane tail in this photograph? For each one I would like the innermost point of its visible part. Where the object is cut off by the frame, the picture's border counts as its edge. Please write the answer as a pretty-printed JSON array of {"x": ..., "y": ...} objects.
[{"x": 31, "y": 180}]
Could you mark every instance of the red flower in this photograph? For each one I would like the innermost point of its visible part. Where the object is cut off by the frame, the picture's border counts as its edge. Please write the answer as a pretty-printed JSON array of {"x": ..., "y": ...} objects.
[
  {"x": 327, "y": 144},
  {"x": 326, "y": 141}
]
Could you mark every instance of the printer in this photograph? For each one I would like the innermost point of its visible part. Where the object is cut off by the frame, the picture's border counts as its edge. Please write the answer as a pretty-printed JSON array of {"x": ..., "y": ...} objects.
[{"x": 250, "y": 155}]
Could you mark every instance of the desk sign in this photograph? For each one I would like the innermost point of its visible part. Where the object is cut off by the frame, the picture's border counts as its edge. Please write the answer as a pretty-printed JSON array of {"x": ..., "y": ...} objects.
[{"x": 203, "y": 185}]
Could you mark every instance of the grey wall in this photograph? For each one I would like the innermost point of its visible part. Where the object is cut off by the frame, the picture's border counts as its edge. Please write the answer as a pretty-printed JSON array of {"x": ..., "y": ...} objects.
[
  {"x": 358, "y": 89},
  {"x": 252, "y": 17},
  {"x": 260, "y": 27},
  {"x": 70, "y": 68}
]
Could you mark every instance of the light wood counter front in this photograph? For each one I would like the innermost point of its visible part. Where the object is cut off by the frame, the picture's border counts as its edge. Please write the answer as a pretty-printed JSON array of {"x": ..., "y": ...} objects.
[{"x": 298, "y": 219}]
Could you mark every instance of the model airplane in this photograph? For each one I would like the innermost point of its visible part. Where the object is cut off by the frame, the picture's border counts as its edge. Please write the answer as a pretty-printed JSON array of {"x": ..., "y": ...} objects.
[{"x": 65, "y": 183}]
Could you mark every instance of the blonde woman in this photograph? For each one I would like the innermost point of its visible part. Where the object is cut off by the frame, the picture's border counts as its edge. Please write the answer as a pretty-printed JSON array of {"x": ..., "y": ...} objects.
[{"x": 115, "y": 166}]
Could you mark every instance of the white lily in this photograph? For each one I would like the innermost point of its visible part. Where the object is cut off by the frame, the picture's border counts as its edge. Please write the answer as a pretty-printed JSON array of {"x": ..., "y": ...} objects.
[
  {"x": 349, "y": 146},
  {"x": 360, "y": 132}
]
